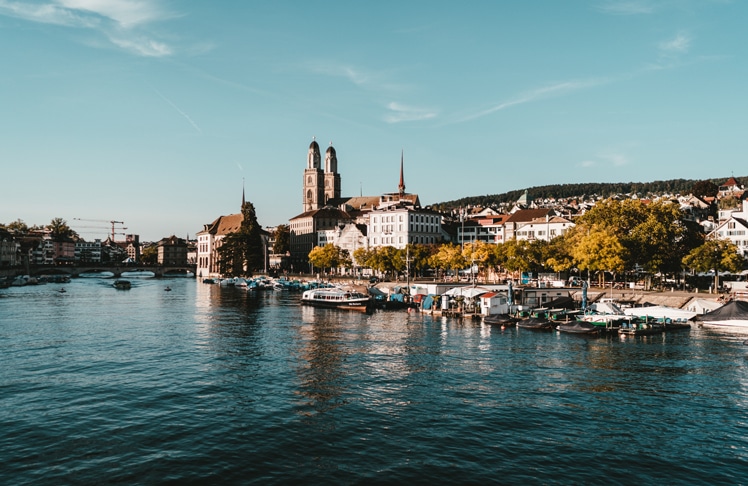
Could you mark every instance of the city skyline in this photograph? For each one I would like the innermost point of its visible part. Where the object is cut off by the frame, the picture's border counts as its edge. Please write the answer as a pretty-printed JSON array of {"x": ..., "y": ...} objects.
[{"x": 153, "y": 113}]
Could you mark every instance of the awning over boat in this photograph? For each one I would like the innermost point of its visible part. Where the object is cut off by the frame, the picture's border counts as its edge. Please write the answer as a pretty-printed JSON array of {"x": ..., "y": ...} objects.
[
  {"x": 466, "y": 291},
  {"x": 735, "y": 310}
]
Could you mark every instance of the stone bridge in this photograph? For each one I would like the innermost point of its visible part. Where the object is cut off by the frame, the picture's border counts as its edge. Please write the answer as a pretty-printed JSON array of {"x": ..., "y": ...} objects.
[{"x": 117, "y": 270}]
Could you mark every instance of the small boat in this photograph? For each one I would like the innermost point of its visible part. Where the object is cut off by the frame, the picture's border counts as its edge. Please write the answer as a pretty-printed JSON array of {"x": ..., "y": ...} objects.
[
  {"x": 500, "y": 319},
  {"x": 62, "y": 290},
  {"x": 122, "y": 284},
  {"x": 535, "y": 324},
  {"x": 675, "y": 325},
  {"x": 337, "y": 298},
  {"x": 641, "y": 327},
  {"x": 578, "y": 327},
  {"x": 167, "y": 289}
]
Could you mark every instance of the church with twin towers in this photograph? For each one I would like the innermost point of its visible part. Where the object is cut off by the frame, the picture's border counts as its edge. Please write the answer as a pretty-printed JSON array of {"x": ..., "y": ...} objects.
[{"x": 391, "y": 219}]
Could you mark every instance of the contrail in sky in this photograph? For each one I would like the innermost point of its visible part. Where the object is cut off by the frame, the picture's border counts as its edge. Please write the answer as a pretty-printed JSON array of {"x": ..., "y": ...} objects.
[{"x": 185, "y": 115}]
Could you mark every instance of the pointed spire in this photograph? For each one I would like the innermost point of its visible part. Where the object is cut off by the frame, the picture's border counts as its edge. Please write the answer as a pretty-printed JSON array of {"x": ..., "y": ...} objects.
[
  {"x": 401, "y": 186},
  {"x": 243, "y": 200}
]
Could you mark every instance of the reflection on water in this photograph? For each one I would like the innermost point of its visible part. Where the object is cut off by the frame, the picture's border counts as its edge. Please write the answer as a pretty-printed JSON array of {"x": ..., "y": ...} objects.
[{"x": 233, "y": 386}]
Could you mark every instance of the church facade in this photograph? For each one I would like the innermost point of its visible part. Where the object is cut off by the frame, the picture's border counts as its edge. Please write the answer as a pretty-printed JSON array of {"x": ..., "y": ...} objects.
[{"x": 392, "y": 219}]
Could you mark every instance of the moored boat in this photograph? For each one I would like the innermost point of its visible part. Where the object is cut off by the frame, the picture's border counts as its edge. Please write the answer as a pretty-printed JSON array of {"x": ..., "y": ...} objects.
[
  {"x": 578, "y": 327},
  {"x": 535, "y": 324},
  {"x": 734, "y": 314},
  {"x": 500, "y": 319},
  {"x": 641, "y": 327},
  {"x": 337, "y": 298},
  {"x": 122, "y": 284}
]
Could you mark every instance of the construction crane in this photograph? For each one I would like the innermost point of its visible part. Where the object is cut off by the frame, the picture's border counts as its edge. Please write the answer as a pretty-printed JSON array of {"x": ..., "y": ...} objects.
[{"x": 112, "y": 222}]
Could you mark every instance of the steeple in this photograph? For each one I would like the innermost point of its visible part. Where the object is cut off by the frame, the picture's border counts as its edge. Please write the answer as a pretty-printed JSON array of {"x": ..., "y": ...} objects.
[{"x": 401, "y": 186}]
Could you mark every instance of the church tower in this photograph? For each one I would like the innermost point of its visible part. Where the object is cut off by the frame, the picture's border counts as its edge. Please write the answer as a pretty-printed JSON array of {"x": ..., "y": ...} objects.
[
  {"x": 314, "y": 180},
  {"x": 332, "y": 178}
]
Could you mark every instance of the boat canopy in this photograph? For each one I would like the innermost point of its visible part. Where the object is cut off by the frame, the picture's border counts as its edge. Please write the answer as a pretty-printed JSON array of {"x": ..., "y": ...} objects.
[
  {"x": 466, "y": 291},
  {"x": 734, "y": 310}
]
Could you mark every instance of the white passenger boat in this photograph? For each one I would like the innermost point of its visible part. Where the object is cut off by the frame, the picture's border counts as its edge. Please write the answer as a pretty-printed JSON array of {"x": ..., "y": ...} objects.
[{"x": 337, "y": 298}]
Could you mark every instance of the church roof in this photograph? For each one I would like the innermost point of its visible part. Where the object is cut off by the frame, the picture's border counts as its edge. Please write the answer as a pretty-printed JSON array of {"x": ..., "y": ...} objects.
[
  {"x": 526, "y": 215},
  {"x": 224, "y": 225},
  {"x": 326, "y": 212}
]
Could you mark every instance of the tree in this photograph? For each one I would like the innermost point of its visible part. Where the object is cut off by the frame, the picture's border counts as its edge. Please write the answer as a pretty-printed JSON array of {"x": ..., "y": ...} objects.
[
  {"x": 516, "y": 256},
  {"x": 60, "y": 230},
  {"x": 419, "y": 255},
  {"x": 558, "y": 252},
  {"x": 388, "y": 259},
  {"x": 480, "y": 254},
  {"x": 716, "y": 255},
  {"x": 705, "y": 188},
  {"x": 321, "y": 257},
  {"x": 149, "y": 255},
  {"x": 363, "y": 257},
  {"x": 242, "y": 251},
  {"x": 282, "y": 239},
  {"x": 18, "y": 227},
  {"x": 599, "y": 251},
  {"x": 651, "y": 234},
  {"x": 448, "y": 256}
]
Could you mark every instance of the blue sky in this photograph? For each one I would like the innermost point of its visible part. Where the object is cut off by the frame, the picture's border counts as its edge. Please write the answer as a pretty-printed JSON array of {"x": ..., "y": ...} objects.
[{"x": 152, "y": 112}]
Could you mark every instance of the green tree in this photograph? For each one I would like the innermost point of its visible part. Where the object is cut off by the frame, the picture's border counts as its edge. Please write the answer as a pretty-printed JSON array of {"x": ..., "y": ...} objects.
[
  {"x": 558, "y": 253},
  {"x": 716, "y": 255},
  {"x": 705, "y": 189},
  {"x": 60, "y": 230},
  {"x": 18, "y": 226},
  {"x": 363, "y": 257},
  {"x": 599, "y": 251},
  {"x": 324, "y": 257},
  {"x": 282, "y": 239},
  {"x": 419, "y": 255},
  {"x": 651, "y": 234},
  {"x": 149, "y": 255},
  {"x": 448, "y": 256},
  {"x": 243, "y": 251},
  {"x": 517, "y": 256},
  {"x": 481, "y": 254}
]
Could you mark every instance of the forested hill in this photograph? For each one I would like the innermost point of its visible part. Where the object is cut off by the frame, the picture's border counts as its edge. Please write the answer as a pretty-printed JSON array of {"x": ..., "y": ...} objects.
[{"x": 582, "y": 190}]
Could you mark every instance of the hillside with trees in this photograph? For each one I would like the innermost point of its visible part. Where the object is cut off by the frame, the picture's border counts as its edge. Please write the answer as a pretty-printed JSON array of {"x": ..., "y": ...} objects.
[{"x": 586, "y": 190}]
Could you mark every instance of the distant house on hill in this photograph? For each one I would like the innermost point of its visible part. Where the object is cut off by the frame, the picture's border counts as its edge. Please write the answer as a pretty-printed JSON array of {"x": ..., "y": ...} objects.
[{"x": 731, "y": 187}]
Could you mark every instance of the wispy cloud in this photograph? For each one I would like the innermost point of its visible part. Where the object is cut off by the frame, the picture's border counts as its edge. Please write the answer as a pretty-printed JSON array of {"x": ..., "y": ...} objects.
[
  {"x": 122, "y": 22},
  {"x": 544, "y": 92},
  {"x": 179, "y": 110},
  {"x": 379, "y": 80},
  {"x": 626, "y": 7},
  {"x": 401, "y": 113},
  {"x": 605, "y": 159},
  {"x": 679, "y": 44}
]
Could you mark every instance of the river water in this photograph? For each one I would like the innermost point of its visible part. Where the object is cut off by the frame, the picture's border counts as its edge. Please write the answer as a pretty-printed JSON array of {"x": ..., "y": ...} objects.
[{"x": 213, "y": 385}]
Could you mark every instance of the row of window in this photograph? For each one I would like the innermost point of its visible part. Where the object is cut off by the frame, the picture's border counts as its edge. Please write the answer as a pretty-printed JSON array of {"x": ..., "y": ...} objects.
[{"x": 395, "y": 240}]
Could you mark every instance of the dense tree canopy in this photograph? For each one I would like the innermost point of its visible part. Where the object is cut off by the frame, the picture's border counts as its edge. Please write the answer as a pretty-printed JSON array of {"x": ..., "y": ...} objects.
[
  {"x": 714, "y": 255},
  {"x": 282, "y": 239}
]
